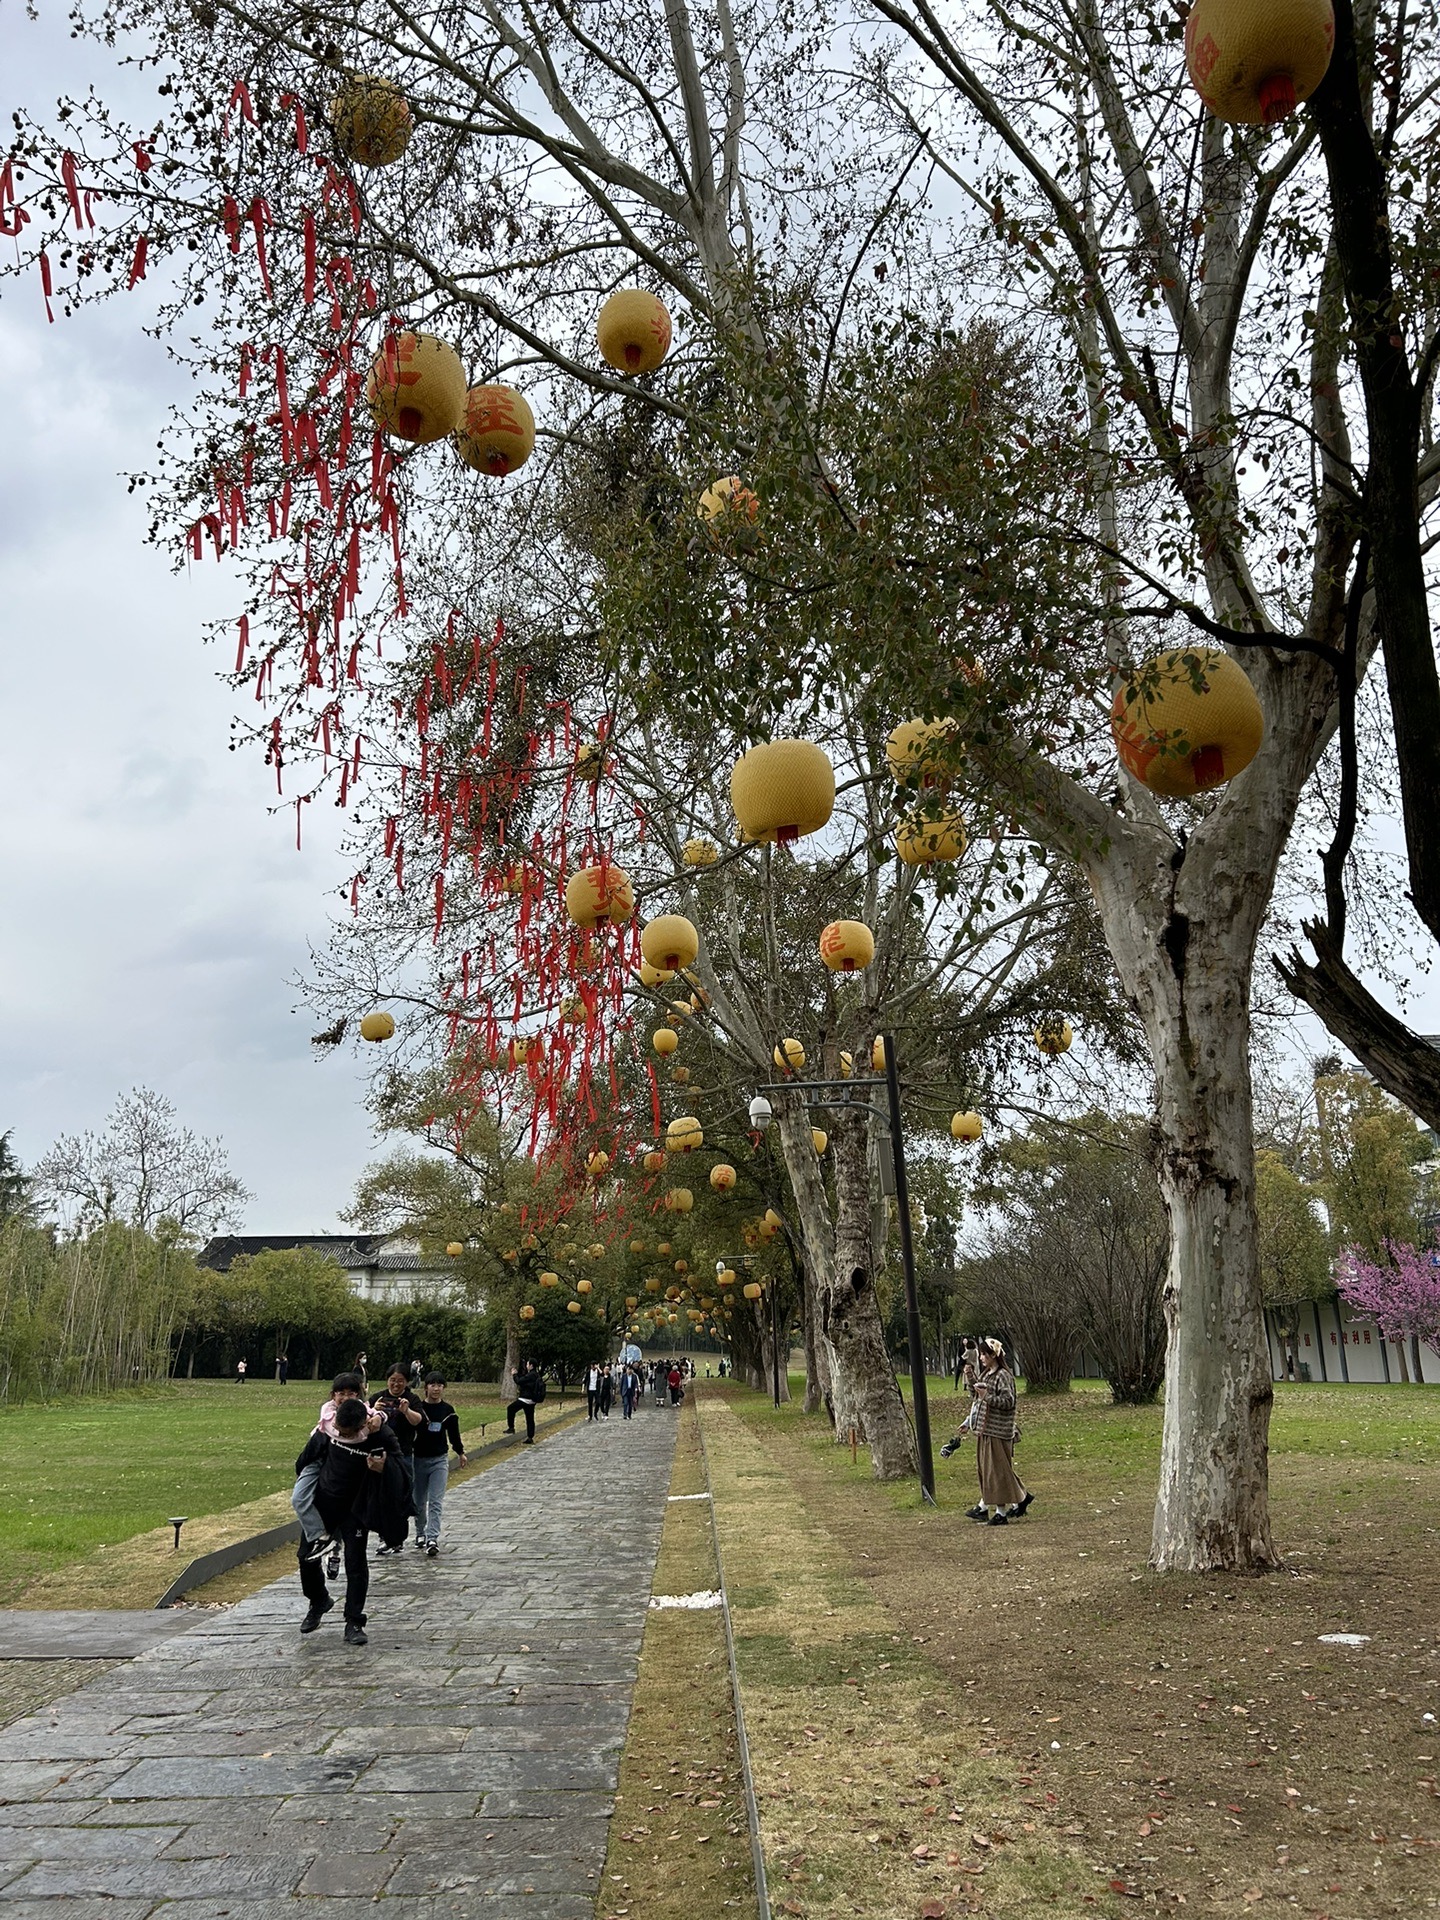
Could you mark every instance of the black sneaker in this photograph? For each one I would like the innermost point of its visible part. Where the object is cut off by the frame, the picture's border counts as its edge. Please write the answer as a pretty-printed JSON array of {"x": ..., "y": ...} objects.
[
  {"x": 1023, "y": 1508},
  {"x": 947, "y": 1449},
  {"x": 977, "y": 1513},
  {"x": 318, "y": 1611},
  {"x": 384, "y": 1553},
  {"x": 432, "y": 1549},
  {"x": 315, "y": 1549},
  {"x": 997, "y": 1519},
  {"x": 355, "y": 1636}
]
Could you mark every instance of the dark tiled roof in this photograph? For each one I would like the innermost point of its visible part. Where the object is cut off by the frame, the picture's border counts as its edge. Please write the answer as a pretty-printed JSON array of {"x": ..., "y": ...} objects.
[{"x": 346, "y": 1249}]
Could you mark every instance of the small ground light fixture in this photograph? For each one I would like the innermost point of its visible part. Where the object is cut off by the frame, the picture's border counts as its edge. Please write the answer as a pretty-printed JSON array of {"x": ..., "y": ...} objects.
[{"x": 177, "y": 1520}]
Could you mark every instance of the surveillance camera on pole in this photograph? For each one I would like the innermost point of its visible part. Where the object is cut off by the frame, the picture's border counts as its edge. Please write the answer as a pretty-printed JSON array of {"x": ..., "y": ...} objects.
[{"x": 761, "y": 1113}]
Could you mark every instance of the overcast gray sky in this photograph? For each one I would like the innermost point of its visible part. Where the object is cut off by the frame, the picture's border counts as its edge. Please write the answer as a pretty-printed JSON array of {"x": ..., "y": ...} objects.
[{"x": 153, "y": 913}]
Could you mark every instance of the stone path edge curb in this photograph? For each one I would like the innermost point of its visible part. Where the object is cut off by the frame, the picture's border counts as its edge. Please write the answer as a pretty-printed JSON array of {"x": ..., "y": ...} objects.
[{"x": 752, "y": 1805}]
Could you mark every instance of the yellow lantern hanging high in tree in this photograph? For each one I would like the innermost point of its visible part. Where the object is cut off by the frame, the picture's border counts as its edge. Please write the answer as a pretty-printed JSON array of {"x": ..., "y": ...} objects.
[
  {"x": 678, "y": 1200},
  {"x": 371, "y": 120},
  {"x": 819, "y": 1139},
  {"x": 596, "y": 1164},
  {"x": 782, "y": 790},
  {"x": 416, "y": 388},
  {"x": 377, "y": 1026},
  {"x": 916, "y": 753},
  {"x": 722, "y": 1178},
  {"x": 455, "y": 1249},
  {"x": 966, "y": 1126},
  {"x": 669, "y": 942},
  {"x": 921, "y": 842},
  {"x": 727, "y": 503},
  {"x": 633, "y": 331},
  {"x": 684, "y": 1135},
  {"x": 700, "y": 853},
  {"x": 654, "y": 1160},
  {"x": 1053, "y": 1035},
  {"x": 789, "y": 1056},
  {"x": 847, "y": 946},
  {"x": 496, "y": 433},
  {"x": 595, "y": 895},
  {"x": 1253, "y": 61},
  {"x": 1187, "y": 721},
  {"x": 664, "y": 1040}
]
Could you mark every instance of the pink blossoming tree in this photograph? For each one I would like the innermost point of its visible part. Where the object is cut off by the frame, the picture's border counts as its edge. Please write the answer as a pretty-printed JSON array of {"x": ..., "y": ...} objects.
[{"x": 1402, "y": 1296}]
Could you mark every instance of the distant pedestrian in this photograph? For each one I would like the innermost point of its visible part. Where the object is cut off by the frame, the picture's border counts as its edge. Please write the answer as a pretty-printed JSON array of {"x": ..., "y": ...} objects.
[
  {"x": 659, "y": 1377},
  {"x": 403, "y": 1412},
  {"x": 607, "y": 1391},
  {"x": 241, "y": 1371},
  {"x": 436, "y": 1437},
  {"x": 349, "y": 1463},
  {"x": 361, "y": 1365},
  {"x": 629, "y": 1388},
  {"x": 282, "y": 1369},
  {"x": 416, "y": 1370},
  {"x": 529, "y": 1392},
  {"x": 592, "y": 1392},
  {"x": 675, "y": 1380},
  {"x": 1002, "y": 1495}
]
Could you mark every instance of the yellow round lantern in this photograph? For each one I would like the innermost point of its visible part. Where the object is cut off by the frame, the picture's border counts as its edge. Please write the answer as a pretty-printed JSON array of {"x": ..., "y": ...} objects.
[
  {"x": 678, "y": 1200},
  {"x": 680, "y": 1076},
  {"x": 966, "y": 1126},
  {"x": 633, "y": 331},
  {"x": 847, "y": 1064},
  {"x": 590, "y": 761},
  {"x": 527, "y": 1312},
  {"x": 1053, "y": 1035},
  {"x": 664, "y": 1249},
  {"x": 752, "y": 1290},
  {"x": 573, "y": 1011},
  {"x": 771, "y": 1224},
  {"x": 921, "y": 842},
  {"x": 377, "y": 1026},
  {"x": 846, "y": 946},
  {"x": 371, "y": 120},
  {"x": 584, "y": 1286},
  {"x": 455, "y": 1249},
  {"x": 1252, "y": 63},
  {"x": 1188, "y": 721},
  {"x": 669, "y": 942},
  {"x": 598, "y": 894},
  {"x": 727, "y": 500},
  {"x": 653, "y": 976},
  {"x": 549, "y": 1279},
  {"x": 654, "y": 1160},
  {"x": 572, "y": 1306},
  {"x": 664, "y": 1040},
  {"x": 729, "y": 1298},
  {"x": 519, "y": 1050},
  {"x": 496, "y": 433},
  {"x": 631, "y": 1302},
  {"x": 512, "y": 881},
  {"x": 782, "y": 790},
  {"x": 789, "y": 1056},
  {"x": 637, "y": 1246},
  {"x": 819, "y": 1139},
  {"x": 726, "y": 1278},
  {"x": 682, "y": 1266},
  {"x": 684, "y": 1135},
  {"x": 511, "y": 1255},
  {"x": 596, "y": 1164},
  {"x": 700, "y": 853},
  {"x": 722, "y": 1178},
  {"x": 652, "y": 1285},
  {"x": 915, "y": 752},
  {"x": 877, "y": 1055},
  {"x": 416, "y": 388}
]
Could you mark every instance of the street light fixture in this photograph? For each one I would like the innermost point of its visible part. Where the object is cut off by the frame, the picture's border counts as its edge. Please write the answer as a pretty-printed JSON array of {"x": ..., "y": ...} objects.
[{"x": 761, "y": 1113}]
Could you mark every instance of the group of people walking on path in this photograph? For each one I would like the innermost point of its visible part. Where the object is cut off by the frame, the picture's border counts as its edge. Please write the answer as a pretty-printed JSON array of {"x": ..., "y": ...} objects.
[
  {"x": 371, "y": 1466},
  {"x": 990, "y": 1419}
]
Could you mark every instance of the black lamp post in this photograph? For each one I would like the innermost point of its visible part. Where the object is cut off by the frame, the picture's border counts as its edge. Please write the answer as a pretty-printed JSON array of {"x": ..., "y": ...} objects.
[{"x": 760, "y": 1115}]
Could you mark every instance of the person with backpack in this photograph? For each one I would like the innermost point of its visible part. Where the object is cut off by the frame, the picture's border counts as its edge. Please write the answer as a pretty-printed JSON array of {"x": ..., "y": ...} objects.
[
  {"x": 359, "y": 1485},
  {"x": 529, "y": 1392}
]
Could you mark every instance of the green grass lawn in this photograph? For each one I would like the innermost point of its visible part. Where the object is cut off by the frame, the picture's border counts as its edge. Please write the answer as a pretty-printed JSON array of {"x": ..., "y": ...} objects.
[{"x": 79, "y": 1474}]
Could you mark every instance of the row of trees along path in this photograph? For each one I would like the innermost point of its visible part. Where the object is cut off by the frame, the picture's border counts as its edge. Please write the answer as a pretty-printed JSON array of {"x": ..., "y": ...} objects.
[{"x": 1155, "y": 434}]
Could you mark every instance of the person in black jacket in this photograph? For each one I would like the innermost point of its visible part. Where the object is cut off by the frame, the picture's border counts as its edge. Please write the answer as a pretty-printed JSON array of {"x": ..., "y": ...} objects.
[
  {"x": 437, "y": 1434},
  {"x": 402, "y": 1410},
  {"x": 529, "y": 1392},
  {"x": 353, "y": 1464}
]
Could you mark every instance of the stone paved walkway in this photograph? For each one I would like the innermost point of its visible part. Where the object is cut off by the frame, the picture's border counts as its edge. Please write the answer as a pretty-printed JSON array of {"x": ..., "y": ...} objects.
[{"x": 461, "y": 1764}]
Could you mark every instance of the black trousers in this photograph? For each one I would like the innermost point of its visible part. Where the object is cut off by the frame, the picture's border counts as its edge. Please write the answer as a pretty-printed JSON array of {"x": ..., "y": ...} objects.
[
  {"x": 527, "y": 1407},
  {"x": 592, "y": 1401},
  {"x": 340, "y": 1526}
]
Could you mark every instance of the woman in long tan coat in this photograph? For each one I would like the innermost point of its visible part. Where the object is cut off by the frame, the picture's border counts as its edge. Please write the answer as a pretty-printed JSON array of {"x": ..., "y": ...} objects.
[{"x": 1002, "y": 1494}]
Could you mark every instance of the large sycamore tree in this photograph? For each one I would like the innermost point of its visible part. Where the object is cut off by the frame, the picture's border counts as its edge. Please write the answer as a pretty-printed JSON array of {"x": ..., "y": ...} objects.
[{"x": 1195, "y": 301}]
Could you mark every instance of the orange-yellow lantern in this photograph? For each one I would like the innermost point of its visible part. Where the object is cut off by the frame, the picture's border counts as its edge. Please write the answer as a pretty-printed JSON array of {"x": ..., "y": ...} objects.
[
  {"x": 1253, "y": 64},
  {"x": 669, "y": 942},
  {"x": 728, "y": 501},
  {"x": 527, "y": 1312},
  {"x": 573, "y": 1011},
  {"x": 584, "y": 1286},
  {"x": 455, "y": 1249},
  {"x": 653, "y": 976},
  {"x": 684, "y": 1134},
  {"x": 631, "y": 1302},
  {"x": 520, "y": 1049},
  {"x": 782, "y": 790},
  {"x": 847, "y": 1064},
  {"x": 590, "y": 761},
  {"x": 664, "y": 1249},
  {"x": 371, "y": 120},
  {"x": 637, "y": 1246},
  {"x": 752, "y": 1290},
  {"x": 682, "y": 1266},
  {"x": 722, "y": 1178},
  {"x": 596, "y": 1164},
  {"x": 596, "y": 1250},
  {"x": 654, "y": 1160},
  {"x": 679, "y": 1200},
  {"x": 1187, "y": 721},
  {"x": 549, "y": 1279},
  {"x": 789, "y": 1056},
  {"x": 1053, "y": 1035},
  {"x": 921, "y": 842},
  {"x": 680, "y": 1076},
  {"x": 512, "y": 881},
  {"x": 916, "y": 752},
  {"x": 877, "y": 1055},
  {"x": 377, "y": 1026},
  {"x": 416, "y": 387},
  {"x": 847, "y": 945},
  {"x": 665, "y": 1040},
  {"x": 496, "y": 433},
  {"x": 598, "y": 894},
  {"x": 652, "y": 1285},
  {"x": 700, "y": 853},
  {"x": 819, "y": 1139},
  {"x": 633, "y": 331},
  {"x": 770, "y": 1224},
  {"x": 572, "y": 1306},
  {"x": 966, "y": 1126}
]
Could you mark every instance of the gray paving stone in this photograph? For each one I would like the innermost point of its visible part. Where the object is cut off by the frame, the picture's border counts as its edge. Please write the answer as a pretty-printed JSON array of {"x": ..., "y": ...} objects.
[{"x": 462, "y": 1766}]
